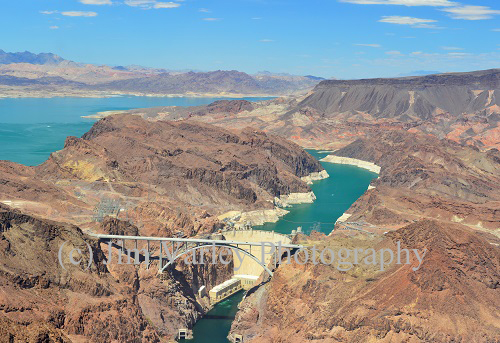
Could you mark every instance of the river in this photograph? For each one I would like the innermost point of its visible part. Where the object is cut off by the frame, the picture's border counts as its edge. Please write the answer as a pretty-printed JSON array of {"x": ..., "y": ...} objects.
[{"x": 334, "y": 196}]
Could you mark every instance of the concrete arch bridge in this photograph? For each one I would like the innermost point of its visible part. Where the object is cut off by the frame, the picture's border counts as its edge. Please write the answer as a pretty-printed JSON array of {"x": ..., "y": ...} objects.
[{"x": 253, "y": 250}]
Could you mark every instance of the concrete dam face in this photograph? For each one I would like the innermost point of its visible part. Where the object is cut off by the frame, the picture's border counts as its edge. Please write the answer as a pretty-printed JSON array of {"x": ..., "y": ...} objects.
[{"x": 248, "y": 270}]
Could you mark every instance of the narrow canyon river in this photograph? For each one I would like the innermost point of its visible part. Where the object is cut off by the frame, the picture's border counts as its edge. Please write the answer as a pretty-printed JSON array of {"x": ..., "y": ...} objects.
[
  {"x": 334, "y": 196},
  {"x": 212, "y": 328}
]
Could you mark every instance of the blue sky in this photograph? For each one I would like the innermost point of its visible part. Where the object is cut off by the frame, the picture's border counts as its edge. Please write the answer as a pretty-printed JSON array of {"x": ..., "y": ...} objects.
[{"x": 329, "y": 38}]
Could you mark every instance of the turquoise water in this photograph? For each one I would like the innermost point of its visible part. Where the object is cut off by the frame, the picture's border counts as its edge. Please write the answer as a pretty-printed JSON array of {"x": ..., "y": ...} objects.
[
  {"x": 216, "y": 330},
  {"x": 32, "y": 128},
  {"x": 334, "y": 196},
  {"x": 31, "y": 144}
]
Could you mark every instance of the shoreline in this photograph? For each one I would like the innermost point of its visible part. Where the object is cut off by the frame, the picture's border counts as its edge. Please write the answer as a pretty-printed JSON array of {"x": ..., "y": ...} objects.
[
  {"x": 99, "y": 95},
  {"x": 353, "y": 162},
  {"x": 260, "y": 217},
  {"x": 315, "y": 176},
  {"x": 103, "y": 114}
]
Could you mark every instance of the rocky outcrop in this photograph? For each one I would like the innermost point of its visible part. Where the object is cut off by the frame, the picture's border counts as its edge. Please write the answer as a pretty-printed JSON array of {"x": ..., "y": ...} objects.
[
  {"x": 295, "y": 198},
  {"x": 452, "y": 297},
  {"x": 464, "y": 107},
  {"x": 315, "y": 176},
  {"x": 408, "y": 98},
  {"x": 229, "y": 106},
  {"x": 42, "y": 301}
]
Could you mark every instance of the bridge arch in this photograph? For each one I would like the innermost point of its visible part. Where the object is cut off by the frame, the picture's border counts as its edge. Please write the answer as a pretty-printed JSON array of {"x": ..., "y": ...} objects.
[{"x": 170, "y": 262}]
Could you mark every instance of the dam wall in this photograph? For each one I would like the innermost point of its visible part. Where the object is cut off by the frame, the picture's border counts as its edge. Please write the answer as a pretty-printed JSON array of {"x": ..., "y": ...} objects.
[{"x": 249, "y": 270}]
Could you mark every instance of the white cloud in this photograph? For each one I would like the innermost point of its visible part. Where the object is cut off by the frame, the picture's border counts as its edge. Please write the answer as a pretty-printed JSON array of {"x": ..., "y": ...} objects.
[
  {"x": 96, "y": 2},
  {"x": 139, "y": 3},
  {"x": 471, "y": 12},
  {"x": 414, "y": 22},
  {"x": 211, "y": 19},
  {"x": 417, "y": 53},
  {"x": 150, "y": 4},
  {"x": 437, "y": 3},
  {"x": 267, "y": 40},
  {"x": 451, "y": 48},
  {"x": 204, "y": 10},
  {"x": 48, "y": 12},
  {"x": 458, "y": 54},
  {"x": 79, "y": 14},
  {"x": 369, "y": 45},
  {"x": 394, "y": 53},
  {"x": 256, "y": 18},
  {"x": 496, "y": 30},
  {"x": 166, "y": 5},
  {"x": 54, "y": 27}
]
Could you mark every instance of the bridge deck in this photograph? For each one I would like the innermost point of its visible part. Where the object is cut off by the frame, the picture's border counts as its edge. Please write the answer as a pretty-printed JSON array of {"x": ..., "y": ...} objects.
[{"x": 189, "y": 240}]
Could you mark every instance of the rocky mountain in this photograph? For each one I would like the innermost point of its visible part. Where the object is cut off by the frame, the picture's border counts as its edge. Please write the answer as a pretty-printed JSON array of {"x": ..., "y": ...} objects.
[
  {"x": 434, "y": 138},
  {"x": 408, "y": 99},
  {"x": 464, "y": 107},
  {"x": 176, "y": 177},
  {"x": 42, "y": 81},
  {"x": 29, "y": 57},
  {"x": 452, "y": 297},
  {"x": 451, "y": 178},
  {"x": 432, "y": 193}
]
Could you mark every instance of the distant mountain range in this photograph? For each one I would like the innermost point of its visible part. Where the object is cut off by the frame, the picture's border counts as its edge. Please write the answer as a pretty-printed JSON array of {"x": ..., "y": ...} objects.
[
  {"x": 46, "y": 72},
  {"x": 220, "y": 81},
  {"x": 28, "y": 57}
]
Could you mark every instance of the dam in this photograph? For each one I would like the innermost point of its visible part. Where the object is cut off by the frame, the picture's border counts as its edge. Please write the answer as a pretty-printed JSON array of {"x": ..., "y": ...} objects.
[{"x": 248, "y": 270}]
